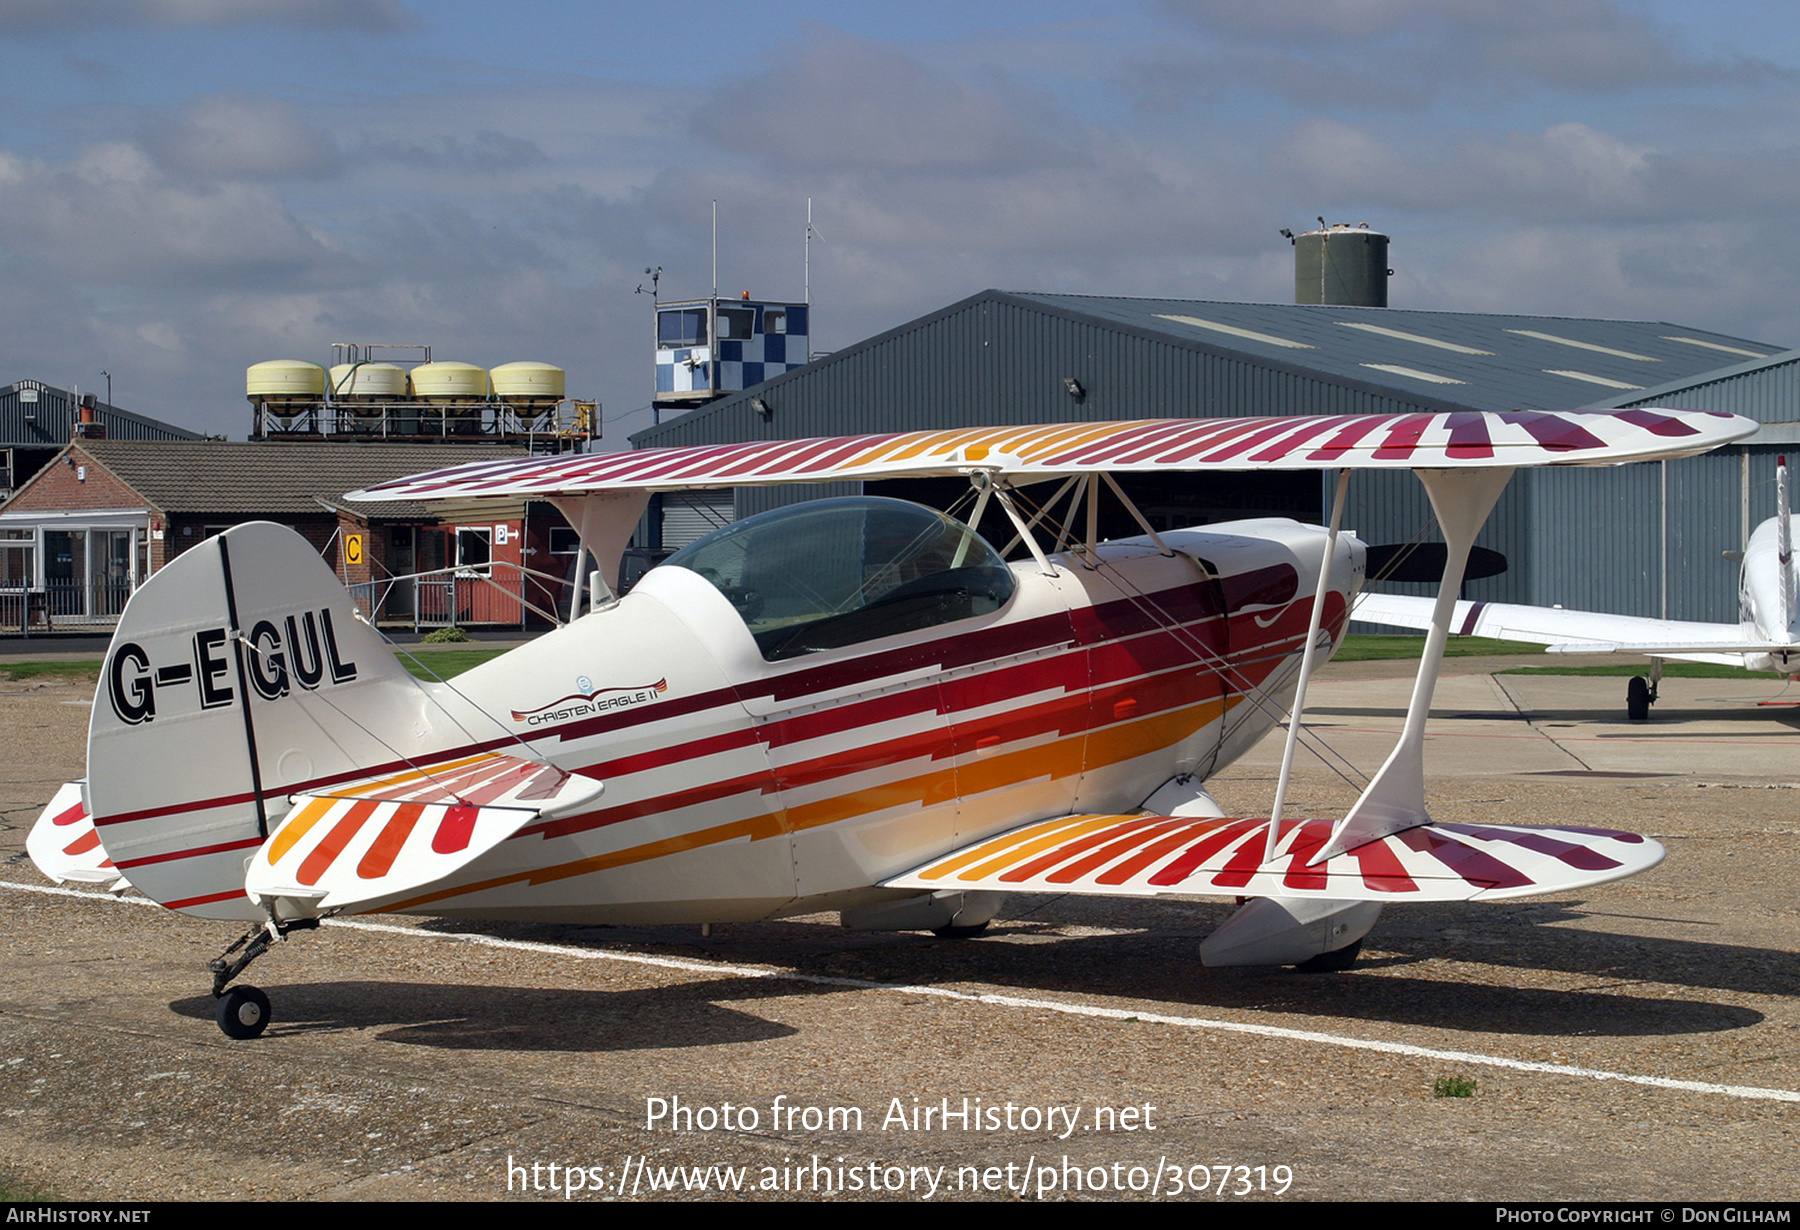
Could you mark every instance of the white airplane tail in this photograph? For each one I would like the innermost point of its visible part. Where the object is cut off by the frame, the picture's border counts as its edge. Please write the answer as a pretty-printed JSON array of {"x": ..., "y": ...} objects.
[
  {"x": 239, "y": 675},
  {"x": 1784, "y": 554}
]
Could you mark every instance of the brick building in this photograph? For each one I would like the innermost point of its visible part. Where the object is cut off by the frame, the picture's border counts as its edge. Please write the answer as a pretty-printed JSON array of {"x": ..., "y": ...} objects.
[{"x": 80, "y": 535}]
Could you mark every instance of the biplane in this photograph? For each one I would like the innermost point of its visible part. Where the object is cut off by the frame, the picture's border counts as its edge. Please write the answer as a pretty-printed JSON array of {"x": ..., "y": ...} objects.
[
  {"x": 1765, "y": 638},
  {"x": 849, "y": 704}
]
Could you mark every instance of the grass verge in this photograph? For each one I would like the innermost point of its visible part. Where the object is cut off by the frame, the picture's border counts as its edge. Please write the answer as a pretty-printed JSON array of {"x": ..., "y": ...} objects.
[
  {"x": 86, "y": 669},
  {"x": 446, "y": 663},
  {"x": 1382, "y": 648}
]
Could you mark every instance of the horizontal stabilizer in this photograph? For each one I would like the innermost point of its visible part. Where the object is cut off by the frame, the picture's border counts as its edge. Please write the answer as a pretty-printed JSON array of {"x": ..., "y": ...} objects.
[
  {"x": 66, "y": 847},
  {"x": 382, "y": 838},
  {"x": 1144, "y": 856}
]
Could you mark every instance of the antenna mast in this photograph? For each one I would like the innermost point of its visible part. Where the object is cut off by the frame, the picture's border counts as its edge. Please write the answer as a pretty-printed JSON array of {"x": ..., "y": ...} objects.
[{"x": 806, "y": 275}]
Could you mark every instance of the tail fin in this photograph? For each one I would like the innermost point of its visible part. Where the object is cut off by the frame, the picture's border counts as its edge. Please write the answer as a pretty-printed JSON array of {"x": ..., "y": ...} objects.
[
  {"x": 1785, "y": 538},
  {"x": 240, "y": 674}
]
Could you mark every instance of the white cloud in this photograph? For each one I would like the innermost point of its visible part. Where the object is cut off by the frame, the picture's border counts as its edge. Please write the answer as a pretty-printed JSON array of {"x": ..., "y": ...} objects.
[
  {"x": 844, "y": 103},
  {"x": 1407, "y": 53},
  {"x": 230, "y": 137},
  {"x": 113, "y": 217}
]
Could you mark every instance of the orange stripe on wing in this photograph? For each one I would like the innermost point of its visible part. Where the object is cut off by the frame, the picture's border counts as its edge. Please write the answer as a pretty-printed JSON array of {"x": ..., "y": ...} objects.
[
  {"x": 289, "y": 834},
  {"x": 1083, "y": 826},
  {"x": 995, "y": 845},
  {"x": 436, "y": 772},
  {"x": 325, "y": 853}
]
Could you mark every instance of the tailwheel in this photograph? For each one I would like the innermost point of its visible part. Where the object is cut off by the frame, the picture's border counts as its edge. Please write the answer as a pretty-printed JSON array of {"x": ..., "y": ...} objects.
[
  {"x": 243, "y": 1012},
  {"x": 1333, "y": 962},
  {"x": 1638, "y": 696}
]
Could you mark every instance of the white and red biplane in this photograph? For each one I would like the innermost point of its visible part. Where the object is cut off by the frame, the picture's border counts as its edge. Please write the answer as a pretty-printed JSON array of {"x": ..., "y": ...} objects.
[{"x": 850, "y": 705}]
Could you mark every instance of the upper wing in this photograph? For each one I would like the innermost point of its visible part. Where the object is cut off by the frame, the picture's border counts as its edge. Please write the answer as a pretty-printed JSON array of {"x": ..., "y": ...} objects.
[
  {"x": 1139, "y": 856},
  {"x": 1570, "y": 631},
  {"x": 1482, "y": 439}
]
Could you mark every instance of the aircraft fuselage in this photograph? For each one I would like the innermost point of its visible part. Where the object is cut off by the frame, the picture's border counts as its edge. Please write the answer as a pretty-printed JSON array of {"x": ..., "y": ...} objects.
[{"x": 740, "y": 788}]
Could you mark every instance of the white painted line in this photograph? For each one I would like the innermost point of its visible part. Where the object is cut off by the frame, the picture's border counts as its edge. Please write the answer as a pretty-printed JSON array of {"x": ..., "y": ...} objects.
[{"x": 1015, "y": 1001}]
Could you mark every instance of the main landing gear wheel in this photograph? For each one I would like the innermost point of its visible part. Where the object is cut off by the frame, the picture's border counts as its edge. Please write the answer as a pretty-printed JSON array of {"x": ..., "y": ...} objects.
[
  {"x": 1638, "y": 696},
  {"x": 949, "y": 932},
  {"x": 1333, "y": 962},
  {"x": 243, "y": 1013}
]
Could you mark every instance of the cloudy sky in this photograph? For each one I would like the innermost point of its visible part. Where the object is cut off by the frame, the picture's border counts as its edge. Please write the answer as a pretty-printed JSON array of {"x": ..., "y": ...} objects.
[{"x": 191, "y": 186}]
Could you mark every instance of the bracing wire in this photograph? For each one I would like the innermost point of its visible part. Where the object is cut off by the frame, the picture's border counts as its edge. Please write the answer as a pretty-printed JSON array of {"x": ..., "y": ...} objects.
[{"x": 1258, "y": 697}]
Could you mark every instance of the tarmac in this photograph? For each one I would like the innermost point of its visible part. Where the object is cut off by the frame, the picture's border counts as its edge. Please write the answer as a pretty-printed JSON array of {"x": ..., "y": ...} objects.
[{"x": 1636, "y": 1041}]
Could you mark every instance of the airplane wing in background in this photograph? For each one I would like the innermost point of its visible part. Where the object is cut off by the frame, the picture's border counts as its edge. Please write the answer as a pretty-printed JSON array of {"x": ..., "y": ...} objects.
[{"x": 1564, "y": 631}]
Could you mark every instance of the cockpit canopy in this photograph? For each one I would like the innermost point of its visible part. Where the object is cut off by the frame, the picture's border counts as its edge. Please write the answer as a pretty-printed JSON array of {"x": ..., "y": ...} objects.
[{"x": 830, "y": 573}]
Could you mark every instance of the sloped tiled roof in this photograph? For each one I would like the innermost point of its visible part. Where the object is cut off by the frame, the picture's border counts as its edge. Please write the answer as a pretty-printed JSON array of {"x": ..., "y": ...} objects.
[{"x": 292, "y": 477}]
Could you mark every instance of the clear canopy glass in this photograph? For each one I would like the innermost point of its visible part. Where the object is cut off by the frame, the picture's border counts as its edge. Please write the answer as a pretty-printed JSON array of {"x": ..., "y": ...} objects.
[{"x": 830, "y": 573}]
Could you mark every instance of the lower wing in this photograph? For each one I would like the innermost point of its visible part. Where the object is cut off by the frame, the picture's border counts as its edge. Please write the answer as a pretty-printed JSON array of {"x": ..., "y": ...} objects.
[{"x": 1140, "y": 856}]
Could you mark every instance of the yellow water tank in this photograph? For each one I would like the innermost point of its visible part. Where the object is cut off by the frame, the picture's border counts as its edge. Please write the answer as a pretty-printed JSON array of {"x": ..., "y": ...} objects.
[
  {"x": 281, "y": 380},
  {"x": 528, "y": 383},
  {"x": 450, "y": 381},
  {"x": 368, "y": 382}
]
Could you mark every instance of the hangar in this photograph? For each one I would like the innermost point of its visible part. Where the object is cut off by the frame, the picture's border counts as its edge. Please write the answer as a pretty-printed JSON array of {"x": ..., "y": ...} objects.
[{"x": 1644, "y": 540}]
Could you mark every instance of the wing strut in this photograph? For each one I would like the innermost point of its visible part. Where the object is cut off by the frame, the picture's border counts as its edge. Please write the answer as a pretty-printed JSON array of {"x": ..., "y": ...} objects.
[
  {"x": 1395, "y": 800},
  {"x": 1306, "y": 663}
]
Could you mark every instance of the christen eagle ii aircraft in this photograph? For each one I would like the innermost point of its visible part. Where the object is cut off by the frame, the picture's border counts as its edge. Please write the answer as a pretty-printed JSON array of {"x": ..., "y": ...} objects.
[
  {"x": 1766, "y": 638},
  {"x": 848, "y": 705}
]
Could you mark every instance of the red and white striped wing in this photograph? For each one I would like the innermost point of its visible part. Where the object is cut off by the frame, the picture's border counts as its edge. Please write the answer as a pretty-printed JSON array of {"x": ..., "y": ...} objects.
[
  {"x": 65, "y": 845},
  {"x": 1145, "y": 856},
  {"x": 373, "y": 840},
  {"x": 1449, "y": 440}
]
